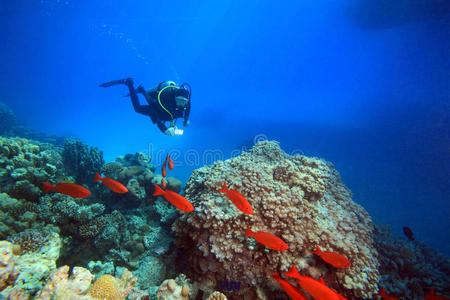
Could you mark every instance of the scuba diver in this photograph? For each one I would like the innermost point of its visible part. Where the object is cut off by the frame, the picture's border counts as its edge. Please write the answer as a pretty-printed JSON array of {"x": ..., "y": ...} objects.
[{"x": 166, "y": 103}]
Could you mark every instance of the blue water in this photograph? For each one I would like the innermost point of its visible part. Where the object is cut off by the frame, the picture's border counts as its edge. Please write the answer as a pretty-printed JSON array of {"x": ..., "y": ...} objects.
[{"x": 374, "y": 100}]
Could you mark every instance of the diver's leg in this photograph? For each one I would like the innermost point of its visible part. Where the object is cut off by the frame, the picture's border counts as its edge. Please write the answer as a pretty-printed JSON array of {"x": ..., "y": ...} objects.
[
  {"x": 114, "y": 82},
  {"x": 133, "y": 95},
  {"x": 141, "y": 109}
]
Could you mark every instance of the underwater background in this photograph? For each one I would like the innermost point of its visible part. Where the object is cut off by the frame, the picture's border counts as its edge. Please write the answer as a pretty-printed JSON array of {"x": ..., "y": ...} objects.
[{"x": 363, "y": 86}]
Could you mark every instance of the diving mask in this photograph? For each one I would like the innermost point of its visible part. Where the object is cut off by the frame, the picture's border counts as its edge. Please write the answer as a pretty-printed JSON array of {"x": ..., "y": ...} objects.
[{"x": 181, "y": 101}]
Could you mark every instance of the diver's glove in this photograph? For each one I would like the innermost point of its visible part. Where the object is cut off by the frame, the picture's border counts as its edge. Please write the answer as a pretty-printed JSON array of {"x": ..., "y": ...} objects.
[
  {"x": 173, "y": 131},
  {"x": 170, "y": 131},
  {"x": 186, "y": 123}
]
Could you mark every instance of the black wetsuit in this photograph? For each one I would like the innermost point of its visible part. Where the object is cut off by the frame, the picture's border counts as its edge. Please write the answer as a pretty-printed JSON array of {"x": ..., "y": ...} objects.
[{"x": 154, "y": 109}]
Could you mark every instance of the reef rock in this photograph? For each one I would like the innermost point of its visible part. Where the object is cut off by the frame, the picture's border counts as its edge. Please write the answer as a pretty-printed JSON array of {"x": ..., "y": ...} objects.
[{"x": 300, "y": 199}]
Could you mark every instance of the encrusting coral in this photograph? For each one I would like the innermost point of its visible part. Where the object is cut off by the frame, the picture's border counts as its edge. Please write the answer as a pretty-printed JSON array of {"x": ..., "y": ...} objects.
[
  {"x": 301, "y": 200},
  {"x": 28, "y": 241}
]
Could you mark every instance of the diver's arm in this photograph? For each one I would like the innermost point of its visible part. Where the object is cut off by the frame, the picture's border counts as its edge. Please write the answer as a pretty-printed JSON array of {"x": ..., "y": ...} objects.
[
  {"x": 186, "y": 114},
  {"x": 161, "y": 126}
]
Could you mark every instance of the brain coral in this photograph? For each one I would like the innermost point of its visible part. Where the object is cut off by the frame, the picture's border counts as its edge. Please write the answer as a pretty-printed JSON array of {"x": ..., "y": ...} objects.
[
  {"x": 106, "y": 287},
  {"x": 302, "y": 200}
]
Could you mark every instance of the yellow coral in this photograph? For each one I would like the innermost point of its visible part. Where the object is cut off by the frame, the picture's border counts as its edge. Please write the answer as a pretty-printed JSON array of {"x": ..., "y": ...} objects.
[
  {"x": 217, "y": 296},
  {"x": 106, "y": 288}
]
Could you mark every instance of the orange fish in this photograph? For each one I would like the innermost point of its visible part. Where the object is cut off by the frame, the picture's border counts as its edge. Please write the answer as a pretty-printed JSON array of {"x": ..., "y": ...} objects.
[
  {"x": 291, "y": 290},
  {"x": 70, "y": 189},
  {"x": 112, "y": 184},
  {"x": 176, "y": 199},
  {"x": 340, "y": 297},
  {"x": 432, "y": 296},
  {"x": 163, "y": 169},
  {"x": 163, "y": 183},
  {"x": 384, "y": 296},
  {"x": 241, "y": 203},
  {"x": 267, "y": 239},
  {"x": 317, "y": 290},
  {"x": 335, "y": 259},
  {"x": 169, "y": 161}
]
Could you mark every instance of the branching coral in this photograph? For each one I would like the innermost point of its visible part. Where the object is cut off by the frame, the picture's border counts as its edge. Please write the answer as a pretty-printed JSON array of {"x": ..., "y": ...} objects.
[{"x": 302, "y": 200}]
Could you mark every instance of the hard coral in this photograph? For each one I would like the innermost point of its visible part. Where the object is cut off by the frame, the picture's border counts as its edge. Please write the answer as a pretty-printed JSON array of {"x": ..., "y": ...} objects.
[
  {"x": 111, "y": 288},
  {"x": 170, "y": 290},
  {"x": 217, "y": 296},
  {"x": 410, "y": 268},
  {"x": 24, "y": 164},
  {"x": 78, "y": 285},
  {"x": 60, "y": 286},
  {"x": 112, "y": 169},
  {"x": 32, "y": 268},
  {"x": 106, "y": 287},
  {"x": 8, "y": 274},
  {"x": 82, "y": 162},
  {"x": 29, "y": 241},
  {"x": 302, "y": 200}
]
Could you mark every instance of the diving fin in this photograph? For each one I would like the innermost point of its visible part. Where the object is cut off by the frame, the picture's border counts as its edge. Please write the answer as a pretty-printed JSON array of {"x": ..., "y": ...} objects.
[{"x": 113, "y": 82}]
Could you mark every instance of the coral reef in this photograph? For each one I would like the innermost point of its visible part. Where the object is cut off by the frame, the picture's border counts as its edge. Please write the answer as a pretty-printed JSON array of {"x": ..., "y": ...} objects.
[
  {"x": 81, "y": 161},
  {"x": 27, "y": 272},
  {"x": 8, "y": 272},
  {"x": 11, "y": 126},
  {"x": 410, "y": 268},
  {"x": 217, "y": 296},
  {"x": 109, "y": 287},
  {"x": 16, "y": 215},
  {"x": 79, "y": 286},
  {"x": 7, "y": 120},
  {"x": 151, "y": 271},
  {"x": 170, "y": 290},
  {"x": 302, "y": 200},
  {"x": 28, "y": 241},
  {"x": 137, "y": 159},
  {"x": 24, "y": 165},
  {"x": 61, "y": 286}
]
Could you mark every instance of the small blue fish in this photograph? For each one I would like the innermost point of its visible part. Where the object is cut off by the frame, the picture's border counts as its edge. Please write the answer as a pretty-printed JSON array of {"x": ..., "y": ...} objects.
[{"x": 231, "y": 285}]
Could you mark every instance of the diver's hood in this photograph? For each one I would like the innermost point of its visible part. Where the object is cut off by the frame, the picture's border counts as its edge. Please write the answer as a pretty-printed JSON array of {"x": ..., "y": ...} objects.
[{"x": 166, "y": 84}]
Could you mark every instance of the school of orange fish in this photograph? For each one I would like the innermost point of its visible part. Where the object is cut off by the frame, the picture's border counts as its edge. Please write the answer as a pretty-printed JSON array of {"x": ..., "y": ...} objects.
[{"x": 316, "y": 288}]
